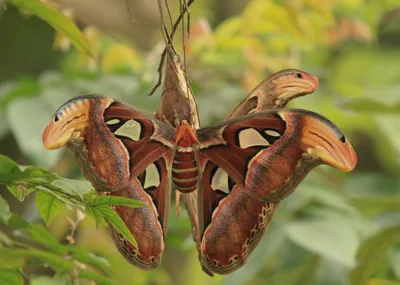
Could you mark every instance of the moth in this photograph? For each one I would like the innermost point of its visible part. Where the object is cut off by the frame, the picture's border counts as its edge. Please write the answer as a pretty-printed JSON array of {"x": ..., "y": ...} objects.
[
  {"x": 239, "y": 240},
  {"x": 125, "y": 152}
]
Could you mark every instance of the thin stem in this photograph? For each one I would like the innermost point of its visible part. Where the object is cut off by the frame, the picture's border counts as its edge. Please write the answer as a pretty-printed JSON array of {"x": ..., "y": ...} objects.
[{"x": 169, "y": 37}]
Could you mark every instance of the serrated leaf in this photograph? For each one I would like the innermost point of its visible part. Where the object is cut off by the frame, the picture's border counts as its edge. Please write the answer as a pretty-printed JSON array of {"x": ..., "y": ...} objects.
[
  {"x": 73, "y": 187},
  {"x": 37, "y": 173},
  {"x": 117, "y": 223},
  {"x": 11, "y": 277},
  {"x": 114, "y": 200},
  {"x": 91, "y": 275},
  {"x": 57, "y": 20},
  {"x": 97, "y": 216},
  {"x": 333, "y": 238},
  {"x": 371, "y": 252},
  {"x": 48, "y": 206},
  {"x": 9, "y": 260},
  {"x": 20, "y": 190},
  {"x": 5, "y": 213}
]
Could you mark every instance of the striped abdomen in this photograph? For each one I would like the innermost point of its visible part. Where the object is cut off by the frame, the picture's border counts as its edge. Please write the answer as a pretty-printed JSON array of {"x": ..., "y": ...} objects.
[{"x": 184, "y": 170}]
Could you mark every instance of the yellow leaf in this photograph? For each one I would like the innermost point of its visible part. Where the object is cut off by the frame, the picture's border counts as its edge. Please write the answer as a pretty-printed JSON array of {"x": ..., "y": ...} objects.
[
  {"x": 261, "y": 11},
  {"x": 118, "y": 56},
  {"x": 229, "y": 28}
]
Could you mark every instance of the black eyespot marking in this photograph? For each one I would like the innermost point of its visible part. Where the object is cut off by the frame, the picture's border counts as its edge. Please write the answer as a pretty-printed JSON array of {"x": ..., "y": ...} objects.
[
  {"x": 342, "y": 138},
  {"x": 299, "y": 75},
  {"x": 56, "y": 118}
]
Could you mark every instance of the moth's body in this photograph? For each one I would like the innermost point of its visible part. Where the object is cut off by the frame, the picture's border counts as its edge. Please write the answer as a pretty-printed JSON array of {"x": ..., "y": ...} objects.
[
  {"x": 185, "y": 171},
  {"x": 240, "y": 181}
]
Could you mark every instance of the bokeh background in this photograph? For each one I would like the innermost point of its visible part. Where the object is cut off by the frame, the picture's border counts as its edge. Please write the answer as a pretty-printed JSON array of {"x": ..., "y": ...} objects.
[{"x": 337, "y": 228}]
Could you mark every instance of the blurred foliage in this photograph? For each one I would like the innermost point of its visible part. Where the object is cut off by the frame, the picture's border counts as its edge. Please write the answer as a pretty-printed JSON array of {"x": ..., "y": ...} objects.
[{"x": 335, "y": 229}]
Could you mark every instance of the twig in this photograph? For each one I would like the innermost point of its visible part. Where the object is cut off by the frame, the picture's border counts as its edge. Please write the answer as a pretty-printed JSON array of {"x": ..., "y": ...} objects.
[{"x": 170, "y": 37}]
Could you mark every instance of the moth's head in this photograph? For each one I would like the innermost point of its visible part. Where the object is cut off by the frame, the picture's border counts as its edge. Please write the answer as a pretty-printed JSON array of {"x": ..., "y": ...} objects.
[
  {"x": 69, "y": 120},
  {"x": 292, "y": 83},
  {"x": 185, "y": 135}
]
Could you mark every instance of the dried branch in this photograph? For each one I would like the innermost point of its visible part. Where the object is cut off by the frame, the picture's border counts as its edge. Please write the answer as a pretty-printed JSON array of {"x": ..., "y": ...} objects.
[{"x": 168, "y": 37}]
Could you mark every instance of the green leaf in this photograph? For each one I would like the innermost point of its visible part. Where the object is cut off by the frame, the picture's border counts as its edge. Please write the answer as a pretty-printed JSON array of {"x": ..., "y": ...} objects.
[
  {"x": 371, "y": 252},
  {"x": 48, "y": 206},
  {"x": 371, "y": 106},
  {"x": 382, "y": 282},
  {"x": 4, "y": 239},
  {"x": 58, "y": 263},
  {"x": 57, "y": 20},
  {"x": 20, "y": 190},
  {"x": 40, "y": 234},
  {"x": 300, "y": 274},
  {"x": 11, "y": 277},
  {"x": 27, "y": 124},
  {"x": 45, "y": 280},
  {"x": 73, "y": 187},
  {"x": 97, "y": 216},
  {"x": 37, "y": 173},
  {"x": 375, "y": 204},
  {"x": 5, "y": 213},
  {"x": 388, "y": 125},
  {"x": 395, "y": 262},
  {"x": 332, "y": 238},
  {"x": 17, "y": 222},
  {"x": 9, "y": 170},
  {"x": 330, "y": 272},
  {"x": 37, "y": 233},
  {"x": 325, "y": 195},
  {"x": 22, "y": 88},
  {"x": 89, "y": 258},
  {"x": 9, "y": 260},
  {"x": 114, "y": 200},
  {"x": 91, "y": 275},
  {"x": 14, "y": 175},
  {"x": 117, "y": 223}
]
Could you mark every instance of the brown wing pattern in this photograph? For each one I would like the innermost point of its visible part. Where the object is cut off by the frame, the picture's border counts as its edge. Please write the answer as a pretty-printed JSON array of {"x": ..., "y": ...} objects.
[
  {"x": 247, "y": 166},
  {"x": 147, "y": 224},
  {"x": 287, "y": 145},
  {"x": 229, "y": 230},
  {"x": 256, "y": 174},
  {"x": 231, "y": 222},
  {"x": 122, "y": 152},
  {"x": 238, "y": 223}
]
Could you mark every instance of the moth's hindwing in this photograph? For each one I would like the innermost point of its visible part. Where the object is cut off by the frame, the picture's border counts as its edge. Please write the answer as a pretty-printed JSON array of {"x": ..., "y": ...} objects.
[
  {"x": 147, "y": 224},
  {"x": 232, "y": 223}
]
